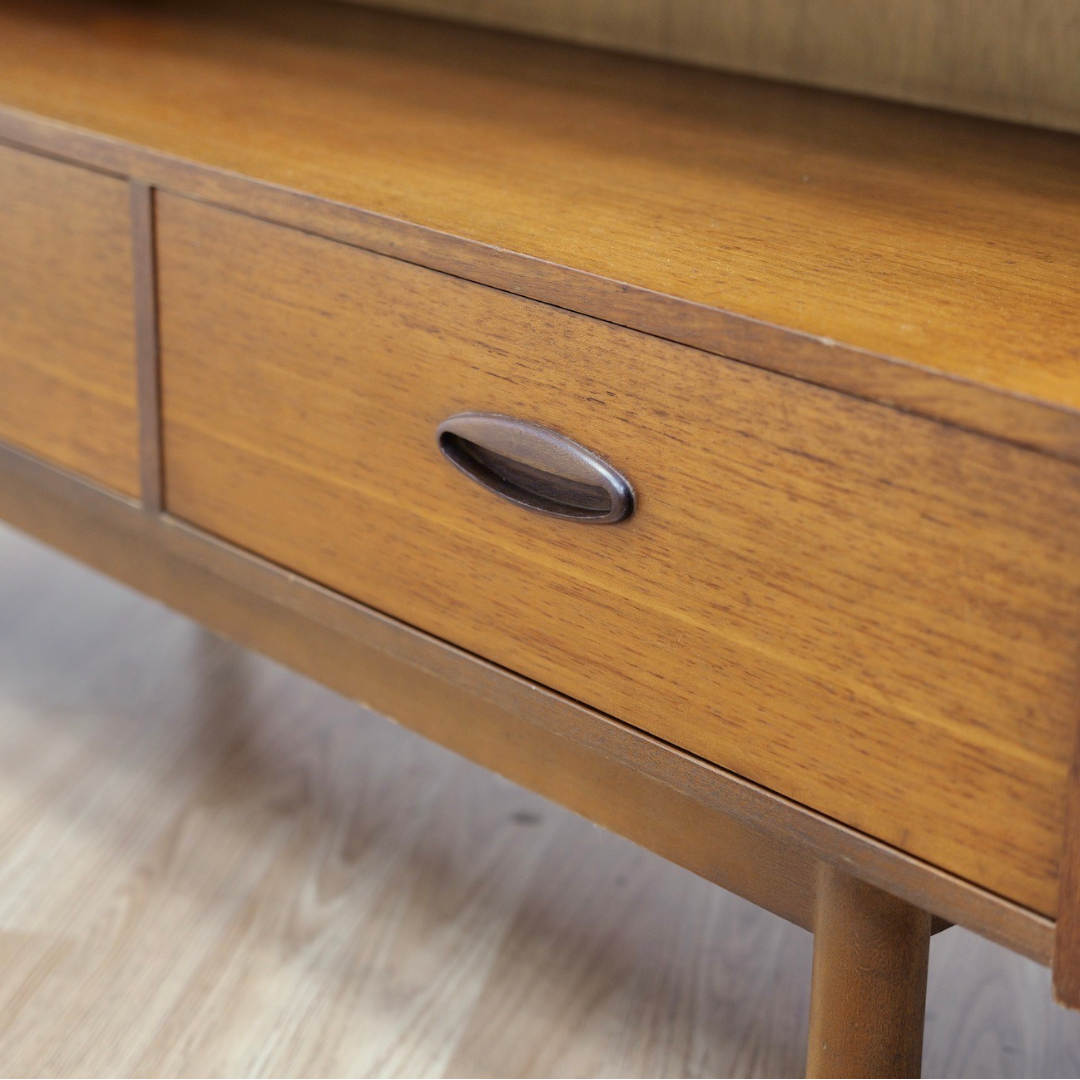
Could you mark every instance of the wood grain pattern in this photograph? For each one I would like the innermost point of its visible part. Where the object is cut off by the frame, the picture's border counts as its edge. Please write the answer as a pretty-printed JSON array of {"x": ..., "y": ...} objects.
[
  {"x": 1014, "y": 61},
  {"x": 67, "y": 357},
  {"x": 868, "y": 995},
  {"x": 489, "y": 715},
  {"x": 867, "y": 612},
  {"x": 944, "y": 242},
  {"x": 1025, "y": 421},
  {"x": 249, "y": 876}
]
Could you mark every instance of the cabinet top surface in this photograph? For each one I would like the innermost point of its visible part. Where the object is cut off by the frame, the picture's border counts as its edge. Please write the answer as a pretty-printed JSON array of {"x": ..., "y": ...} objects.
[{"x": 941, "y": 240}]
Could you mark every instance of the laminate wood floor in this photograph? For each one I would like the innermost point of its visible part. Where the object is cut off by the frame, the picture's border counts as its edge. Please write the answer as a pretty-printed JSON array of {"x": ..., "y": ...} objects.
[{"x": 210, "y": 866}]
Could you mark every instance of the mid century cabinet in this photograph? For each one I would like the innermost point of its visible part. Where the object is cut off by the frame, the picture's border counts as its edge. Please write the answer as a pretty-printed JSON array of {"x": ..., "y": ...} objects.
[{"x": 700, "y": 452}]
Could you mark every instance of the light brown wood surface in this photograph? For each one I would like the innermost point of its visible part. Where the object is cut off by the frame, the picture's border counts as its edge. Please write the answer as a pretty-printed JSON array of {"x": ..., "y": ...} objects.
[
  {"x": 1013, "y": 59},
  {"x": 723, "y": 827},
  {"x": 868, "y": 992},
  {"x": 67, "y": 353},
  {"x": 946, "y": 242},
  {"x": 1026, "y": 880},
  {"x": 867, "y": 612},
  {"x": 211, "y": 866}
]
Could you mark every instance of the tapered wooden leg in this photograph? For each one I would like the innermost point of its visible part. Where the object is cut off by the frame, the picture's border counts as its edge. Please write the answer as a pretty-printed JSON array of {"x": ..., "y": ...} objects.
[{"x": 868, "y": 996}]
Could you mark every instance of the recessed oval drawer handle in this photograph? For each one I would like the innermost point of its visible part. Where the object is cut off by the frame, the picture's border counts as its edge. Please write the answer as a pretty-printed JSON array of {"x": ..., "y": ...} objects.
[{"x": 536, "y": 467}]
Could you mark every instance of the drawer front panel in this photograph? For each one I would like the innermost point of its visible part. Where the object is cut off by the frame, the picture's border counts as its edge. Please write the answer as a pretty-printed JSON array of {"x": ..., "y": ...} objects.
[
  {"x": 871, "y": 613},
  {"x": 67, "y": 335}
]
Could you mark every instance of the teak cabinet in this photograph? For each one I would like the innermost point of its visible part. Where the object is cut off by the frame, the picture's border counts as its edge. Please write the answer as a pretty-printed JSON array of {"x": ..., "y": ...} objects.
[{"x": 253, "y": 257}]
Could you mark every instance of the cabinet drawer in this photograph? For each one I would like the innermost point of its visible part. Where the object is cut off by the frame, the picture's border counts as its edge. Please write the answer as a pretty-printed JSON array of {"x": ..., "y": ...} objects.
[
  {"x": 67, "y": 334},
  {"x": 869, "y": 612}
]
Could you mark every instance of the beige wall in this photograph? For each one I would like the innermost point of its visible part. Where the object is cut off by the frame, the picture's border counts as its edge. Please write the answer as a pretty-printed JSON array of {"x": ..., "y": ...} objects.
[{"x": 1014, "y": 59}]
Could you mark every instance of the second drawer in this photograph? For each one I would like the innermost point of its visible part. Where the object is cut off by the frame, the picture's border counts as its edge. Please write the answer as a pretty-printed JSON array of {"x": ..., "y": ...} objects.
[{"x": 871, "y": 613}]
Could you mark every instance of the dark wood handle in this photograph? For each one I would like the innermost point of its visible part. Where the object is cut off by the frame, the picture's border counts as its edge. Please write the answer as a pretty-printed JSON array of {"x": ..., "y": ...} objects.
[{"x": 536, "y": 468}]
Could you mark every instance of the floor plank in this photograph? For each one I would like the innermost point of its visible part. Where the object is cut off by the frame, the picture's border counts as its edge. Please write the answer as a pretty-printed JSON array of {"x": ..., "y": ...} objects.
[{"x": 210, "y": 866}]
